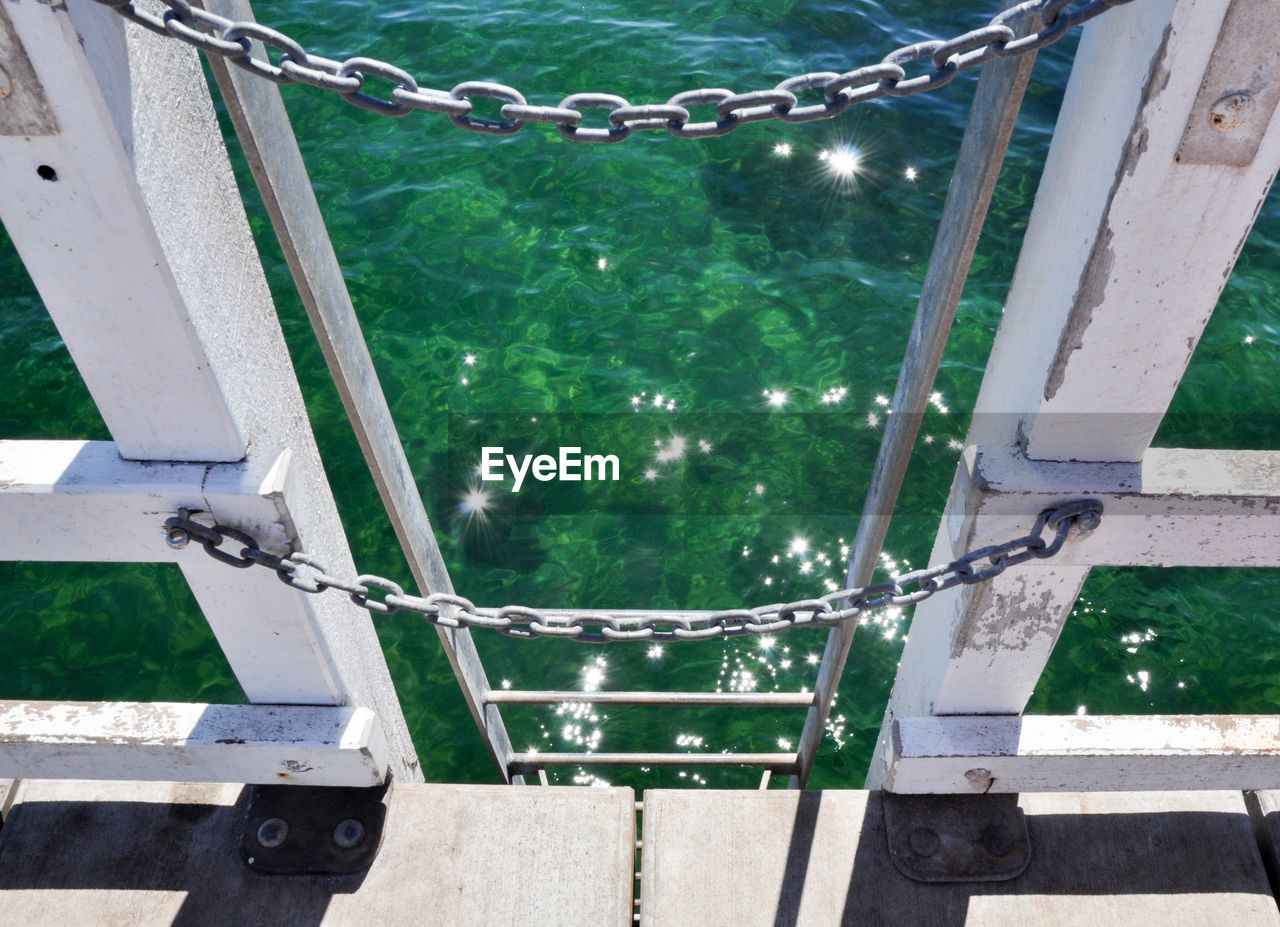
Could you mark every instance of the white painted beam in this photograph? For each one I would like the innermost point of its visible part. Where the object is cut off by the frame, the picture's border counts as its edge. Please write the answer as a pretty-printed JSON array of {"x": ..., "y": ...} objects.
[
  {"x": 140, "y": 320},
  {"x": 1130, "y": 243},
  {"x": 1124, "y": 257},
  {"x": 141, "y": 251},
  {"x": 80, "y": 501},
  {"x": 169, "y": 741},
  {"x": 1175, "y": 508},
  {"x": 1127, "y": 753}
]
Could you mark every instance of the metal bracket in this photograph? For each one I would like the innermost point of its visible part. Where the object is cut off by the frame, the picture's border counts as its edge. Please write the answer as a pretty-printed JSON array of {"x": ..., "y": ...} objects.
[
  {"x": 296, "y": 829},
  {"x": 1240, "y": 91},
  {"x": 957, "y": 838}
]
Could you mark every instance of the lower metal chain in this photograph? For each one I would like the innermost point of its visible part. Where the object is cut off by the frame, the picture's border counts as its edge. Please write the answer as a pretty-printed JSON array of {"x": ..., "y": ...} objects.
[{"x": 305, "y": 573}]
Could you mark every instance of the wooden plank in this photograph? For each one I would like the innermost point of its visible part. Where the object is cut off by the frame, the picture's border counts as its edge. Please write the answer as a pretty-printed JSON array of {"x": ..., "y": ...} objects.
[
  {"x": 1121, "y": 266},
  {"x": 147, "y": 854},
  {"x": 143, "y": 254},
  {"x": 262, "y": 125},
  {"x": 996, "y": 103},
  {"x": 168, "y": 741},
  {"x": 1035, "y": 753},
  {"x": 1174, "y": 508},
  {"x": 817, "y": 859}
]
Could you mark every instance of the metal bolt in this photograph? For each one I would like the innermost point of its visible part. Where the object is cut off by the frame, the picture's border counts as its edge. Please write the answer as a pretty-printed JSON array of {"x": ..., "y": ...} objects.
[
  {"x": 978, "y": 776},
  {"x": 273, "y": 832},
  {"x": 923, "y": 842},
  {"x": 349, "y": 834},
  {"x": 177, "y": 538},
  {"x": 996, "y": 840},
  {"x": 1086, "y": 522},
  {"x": 6, "y": 83},
  {"x": 1232, "y": 111}
]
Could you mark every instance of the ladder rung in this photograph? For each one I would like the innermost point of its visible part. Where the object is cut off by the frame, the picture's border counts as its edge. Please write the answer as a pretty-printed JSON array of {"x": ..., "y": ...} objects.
[
  {"x": 554, "y": 697},
  {"x": 523, "y": 763}
]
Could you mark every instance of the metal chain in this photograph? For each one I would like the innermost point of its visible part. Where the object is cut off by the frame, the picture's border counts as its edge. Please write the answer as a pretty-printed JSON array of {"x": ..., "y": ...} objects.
[
  {"x": 454, "y": 611},
  {"x": 943, "y": 60}
]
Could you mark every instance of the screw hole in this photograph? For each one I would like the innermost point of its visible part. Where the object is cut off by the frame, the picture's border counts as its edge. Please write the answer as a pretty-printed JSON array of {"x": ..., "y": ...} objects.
[{"x": 46, "y": 172}]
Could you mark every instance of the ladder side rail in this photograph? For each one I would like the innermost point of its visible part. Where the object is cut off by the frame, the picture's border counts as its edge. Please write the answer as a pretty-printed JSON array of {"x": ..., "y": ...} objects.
[
  {"x": 262, "y": 125},
  {"x": 997, "y": 100}
]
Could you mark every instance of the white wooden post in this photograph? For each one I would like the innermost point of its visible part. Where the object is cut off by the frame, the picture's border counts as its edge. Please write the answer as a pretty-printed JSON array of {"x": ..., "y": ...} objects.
[
  {"x": 182, "y": 741},
  {"x": 1117, "y": 753},
  {"x": 1143, "y": 207},
  {"x": 116, "y": 189}
]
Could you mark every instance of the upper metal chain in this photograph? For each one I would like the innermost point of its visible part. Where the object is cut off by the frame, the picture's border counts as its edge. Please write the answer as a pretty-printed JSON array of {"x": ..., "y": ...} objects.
[
  {"x": 454, "y": 611},
  {"x": 1012, "y": 32}
]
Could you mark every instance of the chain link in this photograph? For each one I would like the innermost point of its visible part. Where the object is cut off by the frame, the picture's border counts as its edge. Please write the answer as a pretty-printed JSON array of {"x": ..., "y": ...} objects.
[
  {"x": 454, "y": 611},
  {"x": 943, "y": 60}
]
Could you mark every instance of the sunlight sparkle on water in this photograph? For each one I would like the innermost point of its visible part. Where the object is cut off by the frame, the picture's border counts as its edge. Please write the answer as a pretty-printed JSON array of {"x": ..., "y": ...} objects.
[
  {"x": 782, "y": 149},
  {"x": 593, "y": 674},
  {"x": 673, "y": 450},
  {"x": 655, "y": 652},
  {"x": 799, "y": 545},
  {"x": 842, "y": 162},
  {"x": 476, "y": 502},
  {"x": 469, "y": 360},
  {"x": 911, "y": 174},
  {"x": 775, "y": 397}
]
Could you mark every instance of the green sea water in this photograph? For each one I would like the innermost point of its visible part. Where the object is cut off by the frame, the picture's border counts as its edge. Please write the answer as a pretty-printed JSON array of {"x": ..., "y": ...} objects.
[{"x": 727, "y": 316}]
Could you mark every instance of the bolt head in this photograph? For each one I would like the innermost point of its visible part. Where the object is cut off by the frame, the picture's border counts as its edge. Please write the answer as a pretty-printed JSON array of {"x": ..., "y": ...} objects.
[
  {"x": 996, "y": 840},
  {"x": 273, "y": 832},
  {"x": 349, "y": 834},
  {"x": 177, "y": 538},
  {"x": 924, "y": 842},
  {"x": 1232, "y": 112}
]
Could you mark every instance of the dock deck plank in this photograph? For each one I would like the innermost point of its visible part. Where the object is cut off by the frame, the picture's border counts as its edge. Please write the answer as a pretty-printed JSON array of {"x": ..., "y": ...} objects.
[
  {"x": 803, "y": 859},
  {"x": 143, "y": 853}
]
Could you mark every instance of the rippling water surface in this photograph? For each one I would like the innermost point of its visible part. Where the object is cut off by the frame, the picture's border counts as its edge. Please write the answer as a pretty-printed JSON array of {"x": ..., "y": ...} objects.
[{"x": 727, "y": 316}]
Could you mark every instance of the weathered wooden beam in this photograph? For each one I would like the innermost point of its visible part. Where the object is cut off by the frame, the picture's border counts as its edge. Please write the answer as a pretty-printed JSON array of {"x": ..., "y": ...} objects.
[
  {"x": 169, "y": 741},
  {"x": 1119, "y": 753},
  {"x": 1123, "y": 259},
  {"x": 1174, "y": 508},
  {"x": 81, "y": 501},
  {"x": 125, "y": 210},
  {"x": 1131, "y": 238}
]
